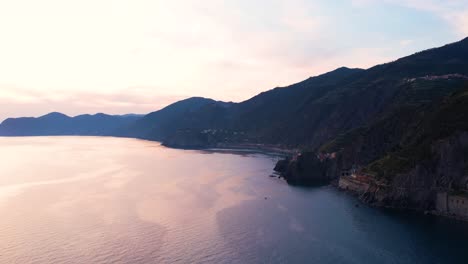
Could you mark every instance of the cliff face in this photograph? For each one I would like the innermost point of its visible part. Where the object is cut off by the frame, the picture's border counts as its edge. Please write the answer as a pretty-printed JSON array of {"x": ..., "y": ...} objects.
[
  {"x": 415, "y": 157},
  {"x": 418, "y": 189},
  {"x": 307, "y": 168}
]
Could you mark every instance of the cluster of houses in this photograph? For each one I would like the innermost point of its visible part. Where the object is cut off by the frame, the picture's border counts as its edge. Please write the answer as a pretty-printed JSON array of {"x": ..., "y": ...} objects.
[
  {"x": 354, "y": 173},
  {"x": 325, "y": 156},
  {"x": 439, "y": 77}
]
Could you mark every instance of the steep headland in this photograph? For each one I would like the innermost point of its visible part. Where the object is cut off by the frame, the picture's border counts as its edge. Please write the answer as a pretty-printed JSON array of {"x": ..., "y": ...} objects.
[{"x": 409, "y": 159}]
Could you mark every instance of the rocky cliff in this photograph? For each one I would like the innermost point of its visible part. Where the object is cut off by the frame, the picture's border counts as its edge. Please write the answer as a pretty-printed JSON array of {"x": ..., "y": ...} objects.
[
  {"x": 407, "y": 159},
  {"x": 307, "y": 168},
  {"x": 418, "y": 189}
]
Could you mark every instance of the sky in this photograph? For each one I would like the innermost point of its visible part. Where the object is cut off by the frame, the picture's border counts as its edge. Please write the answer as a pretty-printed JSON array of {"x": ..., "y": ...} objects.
[{"x": 137, "y": 56}]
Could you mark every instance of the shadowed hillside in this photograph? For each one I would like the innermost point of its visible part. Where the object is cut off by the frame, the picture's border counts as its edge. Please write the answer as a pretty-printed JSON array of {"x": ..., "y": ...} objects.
[{"x": 312, "y": 112}]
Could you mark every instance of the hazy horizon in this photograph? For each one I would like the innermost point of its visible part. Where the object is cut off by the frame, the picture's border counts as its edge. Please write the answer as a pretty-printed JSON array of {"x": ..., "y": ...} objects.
[{"x": 121, "y": 57}]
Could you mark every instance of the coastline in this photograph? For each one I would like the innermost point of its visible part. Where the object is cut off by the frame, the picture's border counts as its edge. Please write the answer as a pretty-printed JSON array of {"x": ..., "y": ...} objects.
[
  {"x": 261, "y": 148},
  {"x": 258, "y": 148}
]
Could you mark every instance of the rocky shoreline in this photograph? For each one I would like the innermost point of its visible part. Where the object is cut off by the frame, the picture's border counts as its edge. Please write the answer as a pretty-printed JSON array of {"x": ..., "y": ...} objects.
[{"x": 437, "y": 185}]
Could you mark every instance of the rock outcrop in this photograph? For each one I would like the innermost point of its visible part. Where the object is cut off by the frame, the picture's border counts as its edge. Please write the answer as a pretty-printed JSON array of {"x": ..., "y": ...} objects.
[
  {"x": 422, "y": 165},
  {"x": 307, "y": 168},
  {"x": 438, "y": 185}
]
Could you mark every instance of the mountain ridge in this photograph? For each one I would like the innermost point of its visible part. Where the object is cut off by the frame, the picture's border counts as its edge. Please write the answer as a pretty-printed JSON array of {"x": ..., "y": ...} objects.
[{"x": 56, "y": 123}]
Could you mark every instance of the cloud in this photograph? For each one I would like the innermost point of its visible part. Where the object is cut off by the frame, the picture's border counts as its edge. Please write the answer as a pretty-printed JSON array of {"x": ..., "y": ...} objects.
[
  {"x": 406, "y": 42},
  {"x": 453, "y": 12},
  {"x": 460, "y": 21}
]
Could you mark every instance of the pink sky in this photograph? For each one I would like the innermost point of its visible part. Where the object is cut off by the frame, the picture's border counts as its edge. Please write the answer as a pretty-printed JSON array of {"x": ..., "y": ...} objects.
[{"x": 138, "y": 56}]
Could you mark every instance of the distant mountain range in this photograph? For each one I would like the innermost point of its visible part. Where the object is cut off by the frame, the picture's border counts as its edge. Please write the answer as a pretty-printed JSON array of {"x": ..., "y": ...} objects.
[
  {"x": 383, "y": 122},
  {"x": 60, "y": 124}
]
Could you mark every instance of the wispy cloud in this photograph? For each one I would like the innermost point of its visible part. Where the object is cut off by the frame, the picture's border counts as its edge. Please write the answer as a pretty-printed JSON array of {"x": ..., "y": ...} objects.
[{"x": 453, "y": 12}]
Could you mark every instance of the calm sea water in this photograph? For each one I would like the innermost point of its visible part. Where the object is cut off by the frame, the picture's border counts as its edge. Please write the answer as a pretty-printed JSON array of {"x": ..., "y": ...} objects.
[{"x": 110, "y": 200}]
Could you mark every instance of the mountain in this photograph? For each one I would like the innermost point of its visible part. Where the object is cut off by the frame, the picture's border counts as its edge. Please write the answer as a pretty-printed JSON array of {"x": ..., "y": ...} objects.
[
  {"x": 395, "y": 134},
  {"x": 310, "y": 113},
  {"x": 413, "y": 153},
  {"x": 384, "y": 101},
  {"x": 200, "y": 122},
  {"x": 399, "y": 128},
  {"x": 415, "y": 158},
  {"x": 190, "y": 114},
  {"x": 304, "y": 115},
  {"x": 60, "y": 124}
]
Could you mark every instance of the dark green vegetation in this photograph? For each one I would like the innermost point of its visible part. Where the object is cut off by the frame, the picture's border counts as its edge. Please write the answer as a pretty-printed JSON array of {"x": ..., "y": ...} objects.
[
  {"x": 433, "y": 123},
  {"x": 399, "y": 139}
]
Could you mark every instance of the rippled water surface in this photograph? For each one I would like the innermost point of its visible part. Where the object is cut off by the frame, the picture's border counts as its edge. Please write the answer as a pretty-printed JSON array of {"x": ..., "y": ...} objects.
[{"x": 111, "y": 200}]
